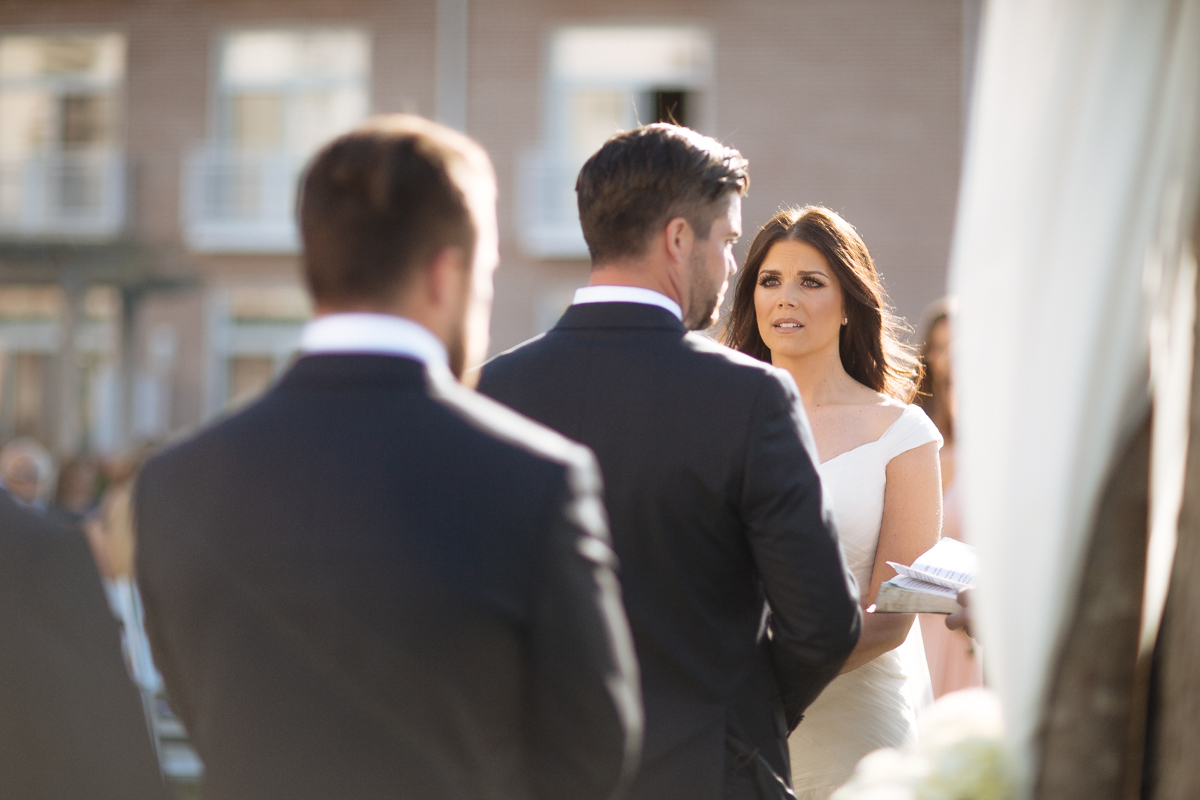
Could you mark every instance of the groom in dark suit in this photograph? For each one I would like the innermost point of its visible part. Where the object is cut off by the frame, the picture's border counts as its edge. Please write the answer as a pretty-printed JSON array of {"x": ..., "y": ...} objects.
[
  {"x": 708, "y": 462},
  {"x": 375, "y": 583}
]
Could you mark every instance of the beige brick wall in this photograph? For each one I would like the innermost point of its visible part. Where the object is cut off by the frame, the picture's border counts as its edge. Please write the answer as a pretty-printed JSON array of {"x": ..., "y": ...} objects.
[{"x": 855, "y": 105}]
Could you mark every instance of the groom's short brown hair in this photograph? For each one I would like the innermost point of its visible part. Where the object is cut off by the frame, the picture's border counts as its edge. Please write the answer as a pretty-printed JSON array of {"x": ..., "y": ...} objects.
[
  {"x": 379, "y": 202},
  {"x": 642, "y": 178}
]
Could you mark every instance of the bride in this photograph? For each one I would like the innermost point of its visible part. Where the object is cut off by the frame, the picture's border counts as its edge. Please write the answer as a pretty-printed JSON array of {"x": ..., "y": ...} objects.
[{"x": 810, "y": 301}]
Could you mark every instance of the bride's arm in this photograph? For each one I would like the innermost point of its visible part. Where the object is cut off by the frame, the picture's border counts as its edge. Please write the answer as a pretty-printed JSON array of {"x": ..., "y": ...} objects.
[{"x": 912, "y": 520}]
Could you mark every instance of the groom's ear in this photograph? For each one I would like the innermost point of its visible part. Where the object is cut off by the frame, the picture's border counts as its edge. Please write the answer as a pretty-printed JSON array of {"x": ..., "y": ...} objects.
[{"x": 680, "y": 239}]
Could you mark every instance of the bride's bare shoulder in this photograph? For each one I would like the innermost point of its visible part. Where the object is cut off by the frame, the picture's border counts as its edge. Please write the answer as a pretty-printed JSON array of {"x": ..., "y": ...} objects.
[
  {"x": 877, "y": 411},
  {"x": 857, "y": 418}
]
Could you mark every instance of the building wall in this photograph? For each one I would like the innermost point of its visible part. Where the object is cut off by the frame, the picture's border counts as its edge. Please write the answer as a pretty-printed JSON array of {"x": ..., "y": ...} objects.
[{"x": 855, "y": 104}]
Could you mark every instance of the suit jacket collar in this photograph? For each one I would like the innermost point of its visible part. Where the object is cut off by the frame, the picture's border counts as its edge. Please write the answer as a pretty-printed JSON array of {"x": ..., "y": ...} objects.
[
  {"x": 628, "y": 316},
  {"x": 327, "y": 370}
]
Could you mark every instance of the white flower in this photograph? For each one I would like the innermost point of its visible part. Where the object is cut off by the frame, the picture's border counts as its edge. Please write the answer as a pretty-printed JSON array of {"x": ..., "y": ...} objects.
[{"x": 960, "y": 756}]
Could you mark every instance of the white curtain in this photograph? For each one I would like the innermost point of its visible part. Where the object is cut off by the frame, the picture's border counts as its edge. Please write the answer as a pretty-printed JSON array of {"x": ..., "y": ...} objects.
[{"x": 1078, "y": 191}]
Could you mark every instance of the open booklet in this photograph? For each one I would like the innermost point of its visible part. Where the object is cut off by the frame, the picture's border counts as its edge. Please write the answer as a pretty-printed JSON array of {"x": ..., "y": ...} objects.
[{"x": 931, "y": 584}]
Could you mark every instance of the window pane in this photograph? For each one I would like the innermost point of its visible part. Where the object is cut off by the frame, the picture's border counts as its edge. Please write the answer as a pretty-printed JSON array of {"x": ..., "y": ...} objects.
[
  {"x": 670, "y": 105},
  {"x": 274, "y": 57},
  {"x": 334, "y": 54},
  {"x": 98, "y": 57},
  {"x": 20, "y": 57},
  {"x": 271, "y": 302},
  {"x": 24, "y": 122},
  {"x": 291, "y": 91},
  {"x": 257, "y": 121},
  {"x": 595, "y": 116},
  {"x": 249, "y": 376},
  {"x": 32, "y": 390},
  {"x": 322, "y": 115},
  {"x": 85, "y": 119},
  {"x": 639, "y": 55},
  {"x": 259, "y": 58}
]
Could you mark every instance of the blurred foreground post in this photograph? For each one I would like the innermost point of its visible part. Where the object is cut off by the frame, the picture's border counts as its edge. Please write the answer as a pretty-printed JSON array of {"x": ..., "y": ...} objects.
[
  {"x": 1094, "y": 691},
  {"x": 1172, "y": 768},
  {"x": 1073, "y": 361}
]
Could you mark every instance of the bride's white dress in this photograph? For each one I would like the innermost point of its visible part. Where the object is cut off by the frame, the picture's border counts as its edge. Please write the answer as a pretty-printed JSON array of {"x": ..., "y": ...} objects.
[{"x": 875, "y": 705}]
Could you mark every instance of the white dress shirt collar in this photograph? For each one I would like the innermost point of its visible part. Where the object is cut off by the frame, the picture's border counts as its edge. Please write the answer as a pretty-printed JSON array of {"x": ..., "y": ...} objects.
[
  {"x": 627, "y": 294},
  {"x": 375, "y": 334}
]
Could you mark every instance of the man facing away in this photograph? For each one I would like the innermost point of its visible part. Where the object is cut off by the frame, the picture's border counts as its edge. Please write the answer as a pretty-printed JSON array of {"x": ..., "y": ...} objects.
[
  {"x": 712, "y": 492},
  {"x": 375, "y": 583}
]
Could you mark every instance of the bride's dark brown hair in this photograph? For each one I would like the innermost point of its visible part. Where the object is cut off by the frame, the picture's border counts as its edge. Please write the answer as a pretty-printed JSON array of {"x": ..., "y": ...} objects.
[{"x": 871, "y": 350}]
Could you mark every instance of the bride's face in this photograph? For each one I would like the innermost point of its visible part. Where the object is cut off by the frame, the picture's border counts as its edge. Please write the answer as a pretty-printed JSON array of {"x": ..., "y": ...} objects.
[{"x": 798, "y": 301}]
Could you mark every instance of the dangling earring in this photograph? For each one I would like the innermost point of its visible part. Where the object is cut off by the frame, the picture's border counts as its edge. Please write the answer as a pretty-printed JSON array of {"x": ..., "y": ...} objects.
[{"x": 845, "y": 320}]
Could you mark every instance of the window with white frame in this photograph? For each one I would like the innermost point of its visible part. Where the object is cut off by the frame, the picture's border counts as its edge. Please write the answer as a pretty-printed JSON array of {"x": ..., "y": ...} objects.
[
  {"x": 278, "y": 95},
  {"x": 31, "y": 341},
  {"x": 602, "y": 80},
  {"x": 62, "y": 168},
  {"x": 254, "y": 330}
]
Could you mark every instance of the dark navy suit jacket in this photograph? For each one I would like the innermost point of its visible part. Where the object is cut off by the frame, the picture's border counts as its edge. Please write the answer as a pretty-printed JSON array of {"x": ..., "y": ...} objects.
[
  {"x": 374, "y": 583},
  {"x": 72, "y": 726},
  {"x": 715, "y": 508}
]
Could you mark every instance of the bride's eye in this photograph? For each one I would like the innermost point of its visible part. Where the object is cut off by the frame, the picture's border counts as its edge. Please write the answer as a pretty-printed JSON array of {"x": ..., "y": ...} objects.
[
  {"x": 812, "y": 283},
  {"x": 768, "y": 280}
]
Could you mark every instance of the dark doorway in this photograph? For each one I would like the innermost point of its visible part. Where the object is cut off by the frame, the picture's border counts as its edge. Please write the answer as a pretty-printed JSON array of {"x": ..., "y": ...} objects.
[{"x": 670, "y": 105}]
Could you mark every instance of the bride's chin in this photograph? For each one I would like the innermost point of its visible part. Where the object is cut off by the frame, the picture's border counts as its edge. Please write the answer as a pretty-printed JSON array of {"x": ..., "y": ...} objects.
[{"x": 788, "y": 350}]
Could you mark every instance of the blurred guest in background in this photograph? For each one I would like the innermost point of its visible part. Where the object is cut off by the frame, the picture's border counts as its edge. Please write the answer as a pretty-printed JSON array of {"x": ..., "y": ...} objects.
[
  {"x": 28, "y": 472},
  {"x": 935, "y": 394},
  {"x": 71, "y": 724},
  {"x": 953, "y": 661},
  {"x": 109, "y": 530},
  {"x": 110, "y": 525},
  {"x": 110, "y": 534},
  {"x": 75, "y": 497}
]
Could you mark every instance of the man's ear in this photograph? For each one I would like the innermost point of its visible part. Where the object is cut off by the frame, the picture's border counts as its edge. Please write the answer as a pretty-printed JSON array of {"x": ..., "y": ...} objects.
[
  {"x": 447, "y": 277},
  {"x": 680, "y": 240}
]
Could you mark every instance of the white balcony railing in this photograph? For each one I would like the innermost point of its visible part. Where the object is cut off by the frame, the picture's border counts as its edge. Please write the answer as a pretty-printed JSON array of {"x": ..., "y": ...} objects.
[
  {"x": 63, "y": 195},
  {"x": 240, "y": 202},
  {"x": 547, "y": 214}
]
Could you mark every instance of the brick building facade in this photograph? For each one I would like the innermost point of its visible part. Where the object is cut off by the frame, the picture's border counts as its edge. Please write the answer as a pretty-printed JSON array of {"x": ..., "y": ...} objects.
[{"x": 148, "y": 153}]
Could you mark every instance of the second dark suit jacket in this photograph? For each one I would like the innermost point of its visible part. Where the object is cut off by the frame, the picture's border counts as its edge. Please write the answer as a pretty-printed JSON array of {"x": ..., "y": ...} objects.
[
  {"x": 715, "y": 506},
  {"x": 374, "y": 583},
  {"x": 72, "y": 726}
]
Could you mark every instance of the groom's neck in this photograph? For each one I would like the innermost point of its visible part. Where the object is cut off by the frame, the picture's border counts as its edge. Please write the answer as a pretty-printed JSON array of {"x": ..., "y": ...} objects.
[{"x": 641, "y": 273}]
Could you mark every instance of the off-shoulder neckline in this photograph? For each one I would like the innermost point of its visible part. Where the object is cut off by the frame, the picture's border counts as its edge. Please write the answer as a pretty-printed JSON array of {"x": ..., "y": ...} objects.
[{"x": 882, "y": 436}]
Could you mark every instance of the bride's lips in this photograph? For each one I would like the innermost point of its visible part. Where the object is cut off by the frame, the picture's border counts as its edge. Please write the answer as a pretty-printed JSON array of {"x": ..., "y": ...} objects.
[{"x": 786, "y": 325}]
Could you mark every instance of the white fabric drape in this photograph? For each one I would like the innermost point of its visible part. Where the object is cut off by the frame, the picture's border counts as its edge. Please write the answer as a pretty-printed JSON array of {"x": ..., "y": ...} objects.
[{"x": 1078, "y": 188}]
